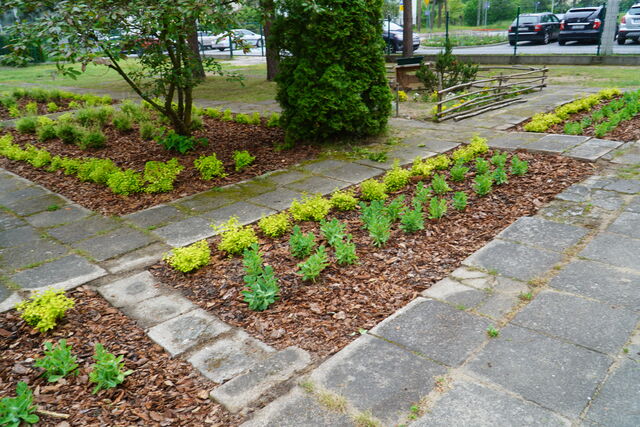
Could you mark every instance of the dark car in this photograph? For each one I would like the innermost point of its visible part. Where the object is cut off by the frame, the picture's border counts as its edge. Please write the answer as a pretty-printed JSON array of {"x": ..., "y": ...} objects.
[
  {"x": 535, "y": 27},
  {"x": 582, "y": 24},
  {"x": 392, "y": 35}
]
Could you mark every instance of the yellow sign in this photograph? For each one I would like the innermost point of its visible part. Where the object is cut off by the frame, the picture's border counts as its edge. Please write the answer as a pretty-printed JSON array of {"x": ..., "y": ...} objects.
[
  {"x": 401, "y": 8},
  {"x": 426, "y": 3}
]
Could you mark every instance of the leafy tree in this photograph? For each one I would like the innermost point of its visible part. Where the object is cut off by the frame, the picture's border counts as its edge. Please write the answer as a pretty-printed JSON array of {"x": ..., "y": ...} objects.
[
  {"x": 102, "y": 32},
  {"x": 332, "y": 79}
]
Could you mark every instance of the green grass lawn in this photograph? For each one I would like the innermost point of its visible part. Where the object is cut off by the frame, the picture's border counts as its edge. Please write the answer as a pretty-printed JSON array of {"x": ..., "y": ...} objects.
[
  {"x": 594, "y": 76},
  {"x": 253, "y": 88}
]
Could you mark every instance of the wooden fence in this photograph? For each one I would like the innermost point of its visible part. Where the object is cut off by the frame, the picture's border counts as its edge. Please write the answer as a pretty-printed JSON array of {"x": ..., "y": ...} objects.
[{"x": 489, "y": 92}]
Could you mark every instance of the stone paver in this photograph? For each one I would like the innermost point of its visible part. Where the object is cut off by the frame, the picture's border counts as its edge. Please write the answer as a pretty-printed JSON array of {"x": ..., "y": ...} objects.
[
  {"x": 183, "y": 332},
  {"x": 618, "y": 403},
  {"x": 9, "y": 197},
  {"x": 155, "y": 216},
  {"x": 63, "y": 215},
  {"x": 244, "y": 390},
  {"x": 379, "y": 377},
  {"x": 593, "y": 149},
  {"x": 228, "y": 357},
  {"x": 470, "y": 404},
  {"x": 34, "y": 205},
  {"x": 512, "y": 141},
  {"x": 634, "y": 205},
  {"x": 544, "y": 234},
  {"x": 607, "y": 200},
  {"x": 628, "y": 223},
  {"x": 130, "y": 290},
  {"x": 9, "y": 301},
  {"x": 549, "y": 372},
  {"x": 555, "y": 143},
  {"x": 567, "y": 317},
  {"x": 30, "y": 254},
  {"x": 83, "y": 229},
  {"x": 601, "y": 282},
  {"x": 204, "y": 202},
  {"x": 8, "y": 221},
  {"x": 158, "y": 309},
  {"x": 279, "y": 199},
  {"x": 285, "y": 177},
  {"x": 317, "y": 184},
  {"x": 17, "y": 236},
  {"x": 614, "y": 249},
  {"x": 353, "y": 173},
  {"x": 430, "y": 144},
  {"x": 245, "y": 212},
  {"x": 628, "y": 186},
  {"x": 65, "y": 273},
  {"x": 455, "y": 293},
  {"x": 115, "y": 243},
  {"x": 436, "y": 330},
  {"x": 187, "y": 231},
  {"x": 513, "y": 260}
]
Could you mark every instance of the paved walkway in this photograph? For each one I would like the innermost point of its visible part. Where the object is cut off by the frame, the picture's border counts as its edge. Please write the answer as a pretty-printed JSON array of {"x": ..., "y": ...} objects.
[{"x": 561, "y": 287}]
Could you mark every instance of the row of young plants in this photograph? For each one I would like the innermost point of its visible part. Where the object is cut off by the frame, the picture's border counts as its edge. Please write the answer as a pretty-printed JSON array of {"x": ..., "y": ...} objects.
[
  {"x": 376, "y": 215},
  {"x": 608, "y": 117},
  {"x": 50, "y": 98},
  {"x": 157, "y": 177},
  {"x": 543, "y": 121},
  {"x": 43, "y": 311}
]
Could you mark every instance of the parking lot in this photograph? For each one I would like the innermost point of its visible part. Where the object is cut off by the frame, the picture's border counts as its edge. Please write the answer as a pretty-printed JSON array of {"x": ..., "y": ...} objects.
[{"x": 529, "y": 48}]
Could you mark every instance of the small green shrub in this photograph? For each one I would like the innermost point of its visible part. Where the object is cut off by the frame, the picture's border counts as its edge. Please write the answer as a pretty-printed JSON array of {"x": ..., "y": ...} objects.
[
  {"x": 97, "y": 117},
  {"x": 255, "y": 119},
  {"x": 214, "y": 113},
  {"x": 96, "y": 170},
  {"x": 243, "y": 118},
  {"x": 31, "y": 108},
  {"x": 196, "y": 123},
  {"x": 493, "y": 332},
  {"x": 499, "y": 159},
  {"x": 437, "y": 208},
  {"x": 379, "y": 228},
  {"x": 261, "y": 281},
  {"x": 27, "y": 124},
  {"x": 519, "y": 167},
  {"x": 460, "y": 200},
  {"x": 108, "y": 371},
  {"x": 122, "y": 122},
  {"x": 459, "y": 172},
  {"x": 332, "y": 230},
  {"x": 209, "y": 167},
  {"x": 313, "y": 266},
  {"x": 190, "y": 257},
  {"x": 346, "y": 251},
  {"x": 301, "y": 245},
  {"x": 52, "y": 107},
  {"x": 46, "y": 132},
  {"x": 275, "y": 225},
  {"x": 412, "y": 220},
  {"x": 482, "y": 166},
  {"x": 125, "y": 182},
  {"x": 242, "y": 159},
  {"x": 310, "y": 208},
  {"x": 234, "y": 237},
  {"x": 148, "y": 131},
  {"x": 160, "y": 176},
  {"x": 422, "y": 194},
  {"x": 73, "y": 105},
  {"x": 68, "y": 132},
  {"x": 92, "y": 138},
  {"x": 44, "y": 309},
  {"x": 274, "y": 120},
  {"x": 14, "y": 112},
  {"x": 373, "y": 190},
  {"x": 38, "y": 158},
  {"x": 439, "y": 184},
  {"x": 58, "y": 362},
  {"x": 394, "y": 209},
  {"x": 227, "y": 116},
  {"x": 180, "y": 143},
  {"x": 15, "y": 410},
  {"x": 500, "y": 176},
  {"x": 343, "y": 200},
  {"x": 396, "y": 178},
  {"x": 483, "y": 184}
]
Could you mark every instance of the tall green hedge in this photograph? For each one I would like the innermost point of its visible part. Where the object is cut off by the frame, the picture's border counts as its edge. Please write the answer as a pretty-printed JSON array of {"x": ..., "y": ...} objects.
[{"x": 331, "y": 80}]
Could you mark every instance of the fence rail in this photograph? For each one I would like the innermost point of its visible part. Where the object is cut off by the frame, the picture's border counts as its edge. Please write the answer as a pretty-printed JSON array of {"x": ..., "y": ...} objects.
[{"x": 489, "y": 92}]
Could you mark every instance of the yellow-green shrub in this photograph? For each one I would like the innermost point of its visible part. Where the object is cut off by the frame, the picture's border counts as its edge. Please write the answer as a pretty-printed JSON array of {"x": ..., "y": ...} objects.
[
  {"x": 275, "y": 225},
  {"x": 190, "y": 257},
  {"x": 43, "y": 310},
  {"x": 343, "y": 200},
  {"x": 396, "y": 178},
  {"x": 468, "y": 152},
  {"x": 310, "y": 208},
  {"x": 235, "y": 238},
  {"x": 373, "y": 190}
]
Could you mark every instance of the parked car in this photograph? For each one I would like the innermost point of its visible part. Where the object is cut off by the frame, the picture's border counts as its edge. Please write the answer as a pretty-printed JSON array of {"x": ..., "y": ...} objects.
[
  {"x": 221, "y": 41},
  {"x": 630, "y": 25},
  {"x": 582, "y": 24},
  {"x": 537, "y": 27},
  {"x": 392, "y": 35}
]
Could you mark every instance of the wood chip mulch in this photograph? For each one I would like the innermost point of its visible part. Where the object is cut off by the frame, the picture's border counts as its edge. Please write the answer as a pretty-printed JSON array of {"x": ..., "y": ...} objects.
[
  {"x": 63, "y": 105},
  {"x": 324, "y": 316},
  {"x": 130, "y": 151},
  {"x": 161, "y": 391}
]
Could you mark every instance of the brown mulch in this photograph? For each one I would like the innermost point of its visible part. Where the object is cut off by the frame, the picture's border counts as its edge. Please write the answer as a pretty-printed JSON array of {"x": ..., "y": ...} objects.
[
  {"x": 626, "y": 131},
  {"x": 63, "y": 105},
  {"x": 324, "y": 316},
  {"x": 161, "y": 391},
  {"x": 130, "y": 151}
]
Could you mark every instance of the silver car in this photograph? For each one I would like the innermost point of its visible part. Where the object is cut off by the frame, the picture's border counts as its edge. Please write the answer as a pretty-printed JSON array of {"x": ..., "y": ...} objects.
[
  {"x": 221, "y": 41},
  {"x": 630, "y": 25}
]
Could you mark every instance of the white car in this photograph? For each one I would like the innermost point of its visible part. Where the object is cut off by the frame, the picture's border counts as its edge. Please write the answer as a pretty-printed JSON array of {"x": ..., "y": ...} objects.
[
  {"x": 221, "y": 41},
  {"x": 630, "y": 25}
]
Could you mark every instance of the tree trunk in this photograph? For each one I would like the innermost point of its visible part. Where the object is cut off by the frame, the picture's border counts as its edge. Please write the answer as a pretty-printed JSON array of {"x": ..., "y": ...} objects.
[
  {"x": 268, "y": 14},
  {"x": 192, "y": 40},
  {"x": 407, "y": 30}
]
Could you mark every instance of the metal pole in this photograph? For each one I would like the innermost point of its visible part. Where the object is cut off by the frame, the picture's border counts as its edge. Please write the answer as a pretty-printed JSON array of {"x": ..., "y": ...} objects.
[
  {"x": 388, "y": 34},
  {"x": 230, "y": 46},
  {"x": 515, "y": 46},
  {"x": 262, "y": 41},
  {"x": 446, "y": 23}
]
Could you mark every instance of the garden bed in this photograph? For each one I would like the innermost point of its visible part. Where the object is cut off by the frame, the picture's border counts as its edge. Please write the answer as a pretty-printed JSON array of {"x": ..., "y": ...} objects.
[
  {"x": 129, "y": 151},
  {"x": 161, "y": 391},
  {"x": 324, "y": 316},
  {"x": 20, "y": 102}
]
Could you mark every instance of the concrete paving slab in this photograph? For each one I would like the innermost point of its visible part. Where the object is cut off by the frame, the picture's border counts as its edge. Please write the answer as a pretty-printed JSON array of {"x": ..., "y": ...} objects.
[
  {"x": 601, "y": 282},
  {"x": 130, "y": 290},
  {"x": 469, "y": 404},
  {"x": 614, "y": 249},
  {"x": 278, "y": 200},
  {"x": 455, "y": 293},
  {"x": 575, "y": 193},
  {"x": 628, "y": 224},
  {"x": 185, "y": 232},
  {"x": 187, "y": 330},
  {"x": 555, "y": 143},
  {"x": 65, "y": 273},
  {"x": 498, "y": 305},
  {"x": 512, "y": 141},
  {"x": 297, "y": 409},
  {"x": 30, "y": 253},
  {"x": 407, "y": 155},
  {"x": 618, "y": 403},
  {"x": 9, "y": 221},
  {"x": 9, "y": 301},
  {"x": 567, "y": 317},
  {"x": 18, "y": 236},
  {"x": 593, "y": 149},
  {"x": 513, "y": 260},
  {"x": 137, "y": 259},
  {"x": 229, "y": 357},
  {"x": 634, "y": 205},
  {"x": 33, "y": 205},
  {"x": 83, "y": 229},
  {"x": 65, "y": 214},
  {"x": 429, "y": 143},
  {"x": 607, "y": 200},
  {"x": 626, "y": 186},
  {"x": 204, "y": 202},
  {"x": 549, "y": 372},
  {"x": 545, "y": 234},
  {"x": 10, "y": 197},
  {"x": 245, "y": 212},
  {"x": 376, "y": 376},
  {"x": 285, "y": 177},
  {"x": 323, "y": 166},
  {"x": 117, "y": 242},
  {"x": 317, "y": 184},
  {"x": 434, "y": 329},
  {"x": 155, "y": 216},
  {"x": 152, "y": 311},
  {"x": 353, "y": 173}
]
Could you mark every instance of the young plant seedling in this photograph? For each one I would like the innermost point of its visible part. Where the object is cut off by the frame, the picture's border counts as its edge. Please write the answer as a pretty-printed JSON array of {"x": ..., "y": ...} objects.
[
  {"x": 394, "y": 209},
  {"x": 493, "y": 332},
  {"x": 483, "y": 184},
  {"x": 499, "y": 160},
  {"x": 263, "y": 289},
  {"x": 412, "y": 220},
  {"x": 301, "y": 244},
  {"x": 346, "y": 251},
  {"x": 460, "y": 200},
  {"x": 439, "y": 184},
  {"x": 482, "y": 166},
  {"x": 422, "y": 194},
  {"x": 437, "y": 208},
  {"x": 458, "y": 172},
  {"x": 313, "y": 266},
  {"x": 332, "y": 231},
  {"x": 108, "y": 371},
  {"x": 379, "y": 230},
  {"x": 58, "y": 362},
  {"x": 500, "y": 176},
  {"x": 15, "y": 410},
  {"x": 519, "y": 167},
  {"x": 525, "y": 296}
]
